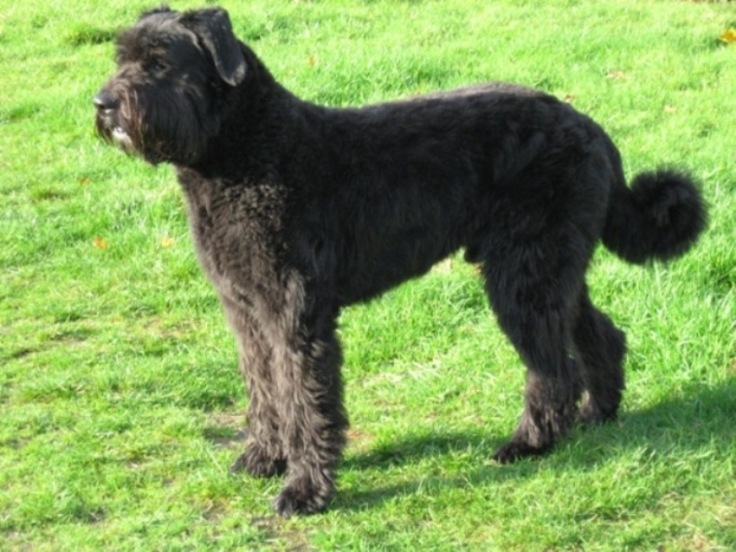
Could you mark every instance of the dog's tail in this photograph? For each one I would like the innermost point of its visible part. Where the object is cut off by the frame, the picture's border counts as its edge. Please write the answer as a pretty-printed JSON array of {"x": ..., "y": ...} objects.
[{"x": 658, "y": 218}]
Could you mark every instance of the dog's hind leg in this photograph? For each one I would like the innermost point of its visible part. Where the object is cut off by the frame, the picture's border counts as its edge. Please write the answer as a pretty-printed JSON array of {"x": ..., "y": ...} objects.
[
  {"x": 601, "y": 347},
  {"x": 533, "y": 290}
]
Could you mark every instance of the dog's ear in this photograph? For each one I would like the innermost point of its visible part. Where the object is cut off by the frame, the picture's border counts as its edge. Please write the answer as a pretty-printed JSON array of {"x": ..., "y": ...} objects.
[
  {"x": 212, "y": 26},
  {"x": 163, "y": 9}
]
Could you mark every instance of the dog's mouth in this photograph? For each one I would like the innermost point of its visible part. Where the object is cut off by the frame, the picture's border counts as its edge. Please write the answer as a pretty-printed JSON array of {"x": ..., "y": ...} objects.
[
  {"x": 110, "y": 130},
  {"x": 121, "y": 139},
  {"x": 114, "y": 133}
]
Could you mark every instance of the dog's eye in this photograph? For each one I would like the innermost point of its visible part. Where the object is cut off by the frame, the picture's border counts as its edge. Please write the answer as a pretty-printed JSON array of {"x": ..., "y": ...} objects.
[{"x": 157, "y": 66}]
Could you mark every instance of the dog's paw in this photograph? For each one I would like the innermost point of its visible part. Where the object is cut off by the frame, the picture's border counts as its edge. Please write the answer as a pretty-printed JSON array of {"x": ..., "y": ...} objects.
[
  {"x": 304, "y": 497},
  {"x": 591, "y": 413},
  {"x": 517, "y": 450},
  {"x": 257, "y": 463}
]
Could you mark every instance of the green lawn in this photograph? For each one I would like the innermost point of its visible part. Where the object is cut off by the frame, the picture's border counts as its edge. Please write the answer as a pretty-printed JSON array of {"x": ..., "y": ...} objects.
[{"x": 120, "y": 400}]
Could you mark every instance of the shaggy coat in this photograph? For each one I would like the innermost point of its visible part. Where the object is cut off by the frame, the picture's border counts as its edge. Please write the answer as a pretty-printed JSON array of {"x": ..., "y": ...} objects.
[{"x": 298, "y": 210}]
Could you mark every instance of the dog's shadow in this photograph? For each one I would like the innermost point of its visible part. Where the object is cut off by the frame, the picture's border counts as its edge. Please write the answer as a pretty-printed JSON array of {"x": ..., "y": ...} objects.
[
  {"x": 698, "y": 418},
  {"x": 432, "y": 449},
  {"x": 692, "y": 421}
]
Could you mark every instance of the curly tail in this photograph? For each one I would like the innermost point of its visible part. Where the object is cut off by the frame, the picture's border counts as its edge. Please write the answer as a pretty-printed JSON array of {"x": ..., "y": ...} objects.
[{"x": 660, "y": 217}]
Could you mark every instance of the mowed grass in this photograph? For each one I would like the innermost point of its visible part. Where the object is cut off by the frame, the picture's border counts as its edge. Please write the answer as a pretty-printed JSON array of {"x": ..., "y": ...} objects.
[{"x": 121, "y": 403}]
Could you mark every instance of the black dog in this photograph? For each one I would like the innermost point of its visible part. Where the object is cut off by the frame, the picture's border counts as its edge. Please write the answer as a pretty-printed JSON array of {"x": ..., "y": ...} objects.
[{"x": 298, "y": 210}]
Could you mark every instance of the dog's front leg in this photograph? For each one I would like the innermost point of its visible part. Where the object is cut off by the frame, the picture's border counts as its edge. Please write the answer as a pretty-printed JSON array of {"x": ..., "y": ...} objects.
[
  {"x": 312, "y": 415},
  {"x": 263, "y": 455}
]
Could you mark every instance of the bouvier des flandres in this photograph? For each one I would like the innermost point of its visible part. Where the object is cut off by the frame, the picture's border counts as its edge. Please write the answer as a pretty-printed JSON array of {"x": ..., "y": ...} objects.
[{"x": 298, "y": 210}]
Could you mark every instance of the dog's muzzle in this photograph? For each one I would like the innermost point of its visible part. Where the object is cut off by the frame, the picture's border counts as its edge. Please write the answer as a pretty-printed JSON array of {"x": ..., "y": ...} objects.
[{"x": 107, "y": 107}]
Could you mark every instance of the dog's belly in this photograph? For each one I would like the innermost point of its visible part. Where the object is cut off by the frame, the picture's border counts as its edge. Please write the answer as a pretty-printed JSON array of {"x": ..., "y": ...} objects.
[
  {"x": 399, "y": 234},
  {"x": 363, "y": 274}
]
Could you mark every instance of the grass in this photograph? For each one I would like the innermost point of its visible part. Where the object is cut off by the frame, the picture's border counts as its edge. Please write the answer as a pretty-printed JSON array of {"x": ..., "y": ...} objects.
[{"x": 121, "y": 402}]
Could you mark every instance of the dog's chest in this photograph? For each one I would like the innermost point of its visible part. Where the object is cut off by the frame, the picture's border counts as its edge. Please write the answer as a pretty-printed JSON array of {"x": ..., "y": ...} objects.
[{"x": 237, "y": 232}]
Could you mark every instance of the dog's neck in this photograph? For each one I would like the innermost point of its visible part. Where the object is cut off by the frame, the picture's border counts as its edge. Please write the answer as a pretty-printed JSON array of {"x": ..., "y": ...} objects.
[{"x": 257, "y": 104}]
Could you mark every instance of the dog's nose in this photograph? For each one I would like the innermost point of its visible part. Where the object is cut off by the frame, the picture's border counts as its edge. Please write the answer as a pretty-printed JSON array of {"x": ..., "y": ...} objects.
[{"x": 104, "y": 101}]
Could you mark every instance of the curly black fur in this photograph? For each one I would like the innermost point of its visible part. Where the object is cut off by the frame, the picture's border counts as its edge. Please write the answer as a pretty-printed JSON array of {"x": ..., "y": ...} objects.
[{"x": 298, "y": 210}]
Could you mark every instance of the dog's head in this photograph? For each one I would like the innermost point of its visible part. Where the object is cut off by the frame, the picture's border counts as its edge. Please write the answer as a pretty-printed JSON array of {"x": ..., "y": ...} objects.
[{"x": 174, "y": 72}]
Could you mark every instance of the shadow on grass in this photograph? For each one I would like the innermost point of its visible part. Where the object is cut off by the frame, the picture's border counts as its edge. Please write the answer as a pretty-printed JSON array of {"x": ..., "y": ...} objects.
[
  {"x": 699, "y": 417},
  {"x": 432, "y": 450},
  {"x": 695, "y": 417}
]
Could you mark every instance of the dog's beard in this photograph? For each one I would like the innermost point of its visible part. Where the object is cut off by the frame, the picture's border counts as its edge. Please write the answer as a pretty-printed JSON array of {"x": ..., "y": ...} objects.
[
  {"x": 116, "y": 135},
  {"x": 122, "y": 139},
  {"x": 167, "y": 130},
  {"x": 116, "y": 126}
]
